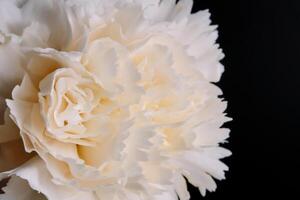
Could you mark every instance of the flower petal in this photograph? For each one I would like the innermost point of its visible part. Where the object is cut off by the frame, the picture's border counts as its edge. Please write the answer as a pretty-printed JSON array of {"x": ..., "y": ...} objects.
[
  {"x": 10, "y": 15},
  {"x": 26, "y": 91},
  {"x": 181, "y": 187},
  {"x": 162, "y": 11},
  {"x": 52, "y": 14},
  {"x": 200, "y": 166},
  {"x": 35, "y": 172},
  {"x": 101, "y": 60}
]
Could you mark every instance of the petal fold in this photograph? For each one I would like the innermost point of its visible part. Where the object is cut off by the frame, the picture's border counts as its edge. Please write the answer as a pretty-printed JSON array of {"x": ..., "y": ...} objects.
[{"x": 35, "y": 172}]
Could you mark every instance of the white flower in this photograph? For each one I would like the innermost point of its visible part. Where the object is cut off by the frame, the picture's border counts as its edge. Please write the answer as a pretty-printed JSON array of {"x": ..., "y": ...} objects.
[{"x": 109, "y": 99}]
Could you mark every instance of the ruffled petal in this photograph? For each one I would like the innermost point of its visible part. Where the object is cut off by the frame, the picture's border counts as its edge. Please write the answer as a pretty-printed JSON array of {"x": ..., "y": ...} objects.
[
  {"x": 39, "y": 179},
  {"x": 181, "y": 187},
  {"x": 161, "y": 11},
  {"x": 200, "y": 166},
  {"x": 52, "y": 24},
  {"x": 51, "y": 14},
  {"x": 201, "y": 44},
  {"x": 24, "y": 114},
  {"x": 11, "y": 17},
  {"x": 100, "y": 60}
]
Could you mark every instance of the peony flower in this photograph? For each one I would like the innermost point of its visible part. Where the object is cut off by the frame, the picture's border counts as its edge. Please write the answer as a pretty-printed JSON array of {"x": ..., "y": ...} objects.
[{"x": 109, "y": 99}]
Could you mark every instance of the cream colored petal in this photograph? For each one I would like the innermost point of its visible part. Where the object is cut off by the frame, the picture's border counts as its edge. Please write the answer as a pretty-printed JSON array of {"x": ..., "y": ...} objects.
[
  {"x": 147, "y": 3},
  {"x": 25, "y": 91},
  {"x": 181, "y": 187},
  {"x": 198, "y": 178},
  {"x": 71, "y": 173},
  {"x": 52, "y": 14},
  {"x": 200, "y": 166},
  {"x": 208, "y": 134},
  {"x": 101, "y": 60},
  {"x": 20, "y": 111},
  {"x": 132, "y": 13},
  {"x": 45, "y": 61},
  {"x": 109, "y": 63},
  {"x": 197, "y": 25},
  {"x": 29, "y": 120},
  {"x": 35, "y": 172},
  {"x": 92, "y": 13},
  {"x": 155, "y": 173},
  {"x": 36, "y": 35},
  {"x": 97, "y": 156},
  {"x": 201, "y": 44},
  {"x": 55, "y": 59},
  {"x": 139, "y": 139},
  {"x": 208, "y": 161},
  {"x": 166, "y": 51},
  {"x": 44, "y": 27},
  {"x": 19, "y": 189},
  {"x": 209, "y": 65},
  {"x": 124, "y": 193},
  {"x": 11, "y": 18},
  {"x": 40, "y": 66},
  {"x": 166, "y": 196},
  {"x": 161, "y": 11},
  {"x": 62, "y": 154},
  {"x": 79, "y": 31},
  {"x": 55, "y": 147},
  {"x": 182, "y": 10},
  {"x": 212, "y": 110}
]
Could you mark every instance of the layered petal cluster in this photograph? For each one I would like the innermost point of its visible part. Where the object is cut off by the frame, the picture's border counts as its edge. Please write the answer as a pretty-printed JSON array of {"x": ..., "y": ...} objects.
[{"x": 109, "y": 99}]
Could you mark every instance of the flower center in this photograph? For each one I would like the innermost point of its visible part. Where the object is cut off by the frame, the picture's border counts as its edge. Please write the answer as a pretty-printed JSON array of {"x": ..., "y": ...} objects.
[{"x": 75, "y": 109}]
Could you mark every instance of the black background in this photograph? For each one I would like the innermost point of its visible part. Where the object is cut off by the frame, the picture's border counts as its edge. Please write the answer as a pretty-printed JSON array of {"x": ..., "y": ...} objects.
[{"x": 261, "y": 40}]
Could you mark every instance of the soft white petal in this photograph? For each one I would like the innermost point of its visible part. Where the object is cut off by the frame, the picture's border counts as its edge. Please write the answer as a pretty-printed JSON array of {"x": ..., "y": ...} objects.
[
  {"x": 25, "y": 91},
  {"x": 36, "y": 35},
  {"x": 52, "y": 14},
  {"x": 160, "y": 12},
  {"x": 182, "y": 10},
  {"x": 24, "y": 113},
  {"x": 101, "y": 60},
  {"x": 208, "y": 161},
  {"x": 35, "y": 172},
  {"x": 11, "y": 18},
  {"x": 166, "y": 196},
  {"x": 181, "y": 187}
]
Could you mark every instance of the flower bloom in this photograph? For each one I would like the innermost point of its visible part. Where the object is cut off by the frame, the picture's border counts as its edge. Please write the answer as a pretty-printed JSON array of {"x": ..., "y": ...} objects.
[{"x": 109, "y": 99}]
